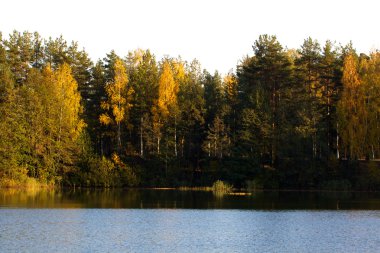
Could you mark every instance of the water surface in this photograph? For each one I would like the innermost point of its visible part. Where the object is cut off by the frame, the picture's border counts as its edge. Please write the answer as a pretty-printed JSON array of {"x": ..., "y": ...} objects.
[
  {"x": 175, "y": 199},
  {"x": 173, "y": 221}
]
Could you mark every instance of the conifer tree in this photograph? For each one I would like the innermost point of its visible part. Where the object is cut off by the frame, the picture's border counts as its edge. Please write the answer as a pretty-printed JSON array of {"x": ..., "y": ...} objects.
[
  {"x": 19, "y": 54},
  {"x": 264, "y": 82},
  {"x": 143, "y": 75},
  {"x": 308, "y": 69},
  {"x": 191, "y": 103}
]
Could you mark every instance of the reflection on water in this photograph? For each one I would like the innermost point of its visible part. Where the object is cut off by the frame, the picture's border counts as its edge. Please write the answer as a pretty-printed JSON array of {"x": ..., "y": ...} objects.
[
  {"x": 87, "y": 220},
  {"x": 143, "y": 198}
]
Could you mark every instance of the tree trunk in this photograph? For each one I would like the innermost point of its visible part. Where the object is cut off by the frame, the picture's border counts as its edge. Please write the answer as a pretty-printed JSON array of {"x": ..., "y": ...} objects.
[
  {"x": 215, "y": 148},
  {"x": 337, "y": 142},
  {"x": 141, "y": 138},
  {"x": 166, "y": 159},
  {"x": 158, "y": 145},
  {"x": 118, "y": 126},
  {"x": 118, "y": 137},
  {"x": 175, "y": 136},
  {"x": 101, "y": 145},
  {"x": 221, "y": 150},
  {"x": 273, "y": 148},
  {"x": 182, "y": 145}
]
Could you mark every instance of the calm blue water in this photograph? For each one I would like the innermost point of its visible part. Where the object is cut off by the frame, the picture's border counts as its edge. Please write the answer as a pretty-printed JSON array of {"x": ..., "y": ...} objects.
[
  {"x": 182, "y": 230},
  {"x": 175, "y": 221}
]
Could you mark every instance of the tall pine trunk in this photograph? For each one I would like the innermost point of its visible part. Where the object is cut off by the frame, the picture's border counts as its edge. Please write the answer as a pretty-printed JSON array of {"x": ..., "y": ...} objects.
[
  {"x": 141, "y": 138},
  {"x": 337, "y": 142}
]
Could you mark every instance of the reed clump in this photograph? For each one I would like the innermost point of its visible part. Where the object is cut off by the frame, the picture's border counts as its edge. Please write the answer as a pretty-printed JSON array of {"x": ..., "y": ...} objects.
[{"x": 221, "y": 188}]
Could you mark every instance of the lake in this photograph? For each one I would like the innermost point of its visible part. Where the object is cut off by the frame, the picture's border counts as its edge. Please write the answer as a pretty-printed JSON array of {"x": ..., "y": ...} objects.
[{"x": 188, "y": 221}]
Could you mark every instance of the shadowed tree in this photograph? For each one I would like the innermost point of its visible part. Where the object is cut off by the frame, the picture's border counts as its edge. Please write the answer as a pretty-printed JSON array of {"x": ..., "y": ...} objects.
[{"x": 264, "y": 81}]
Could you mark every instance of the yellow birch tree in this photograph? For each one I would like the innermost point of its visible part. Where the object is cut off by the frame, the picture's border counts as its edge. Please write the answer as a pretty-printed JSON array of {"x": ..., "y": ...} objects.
[
  {"x": 63, "y": 108},
  {"x": 352, "y": 113},
  {"x": 167, "y": 97},
  {"x": 119, "y": 100}
]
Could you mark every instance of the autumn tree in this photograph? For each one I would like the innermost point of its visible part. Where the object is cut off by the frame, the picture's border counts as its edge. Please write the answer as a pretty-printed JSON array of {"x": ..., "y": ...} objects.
[
  {"x": 352, "y": 114},
  {"x": 118, "y": 103},
  {"x": 13, "y": 142},
  {"x": 42, "y": 120},
  {"x": 167, "y": 90},
  {"x": 57, "y": 106},
  {"x": 370, "y": 76},
  {"x": 167, "y": 99},
  {"x": 179, "y": 72},
  {"x": 280, "y": 119},
  {"x": 68, "y": 100}
]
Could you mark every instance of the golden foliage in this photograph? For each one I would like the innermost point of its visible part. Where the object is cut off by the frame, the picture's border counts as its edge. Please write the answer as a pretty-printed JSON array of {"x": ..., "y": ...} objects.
[
  {"x": 230, "y": 84},
  {"x": 68, "y": 100},
  {"x": 350, "y": 77},
  {"x": 119, "y": 96},
  {"x": 116, "y": 159},
  {"x": 105, "y": 119},
  {"x": 179, "y": 70},
  {"x": 352, "y": 113},
  {"x": 167, "y": 89}
]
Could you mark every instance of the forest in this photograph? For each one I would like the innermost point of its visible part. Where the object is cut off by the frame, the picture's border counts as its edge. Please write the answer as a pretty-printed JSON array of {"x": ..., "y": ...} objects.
[{"x": 306, "y": 118}]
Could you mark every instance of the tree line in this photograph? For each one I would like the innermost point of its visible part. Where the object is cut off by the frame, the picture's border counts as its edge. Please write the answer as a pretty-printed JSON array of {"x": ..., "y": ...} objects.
[{"x": 287, "y": 118}]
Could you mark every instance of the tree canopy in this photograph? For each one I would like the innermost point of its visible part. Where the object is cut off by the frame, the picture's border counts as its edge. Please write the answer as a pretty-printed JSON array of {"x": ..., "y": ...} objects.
[{"x": 286, "y": 118}]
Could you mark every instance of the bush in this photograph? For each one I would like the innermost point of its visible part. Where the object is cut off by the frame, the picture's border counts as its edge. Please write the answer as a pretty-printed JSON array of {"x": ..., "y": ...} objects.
[
  {"x": 127, "y": 175},
  {"x": 24, "y": 182},
  {"x": 220, "y": 188},
  {"x": 100, "y": 172},
  {"x": 103, "y": 172}
]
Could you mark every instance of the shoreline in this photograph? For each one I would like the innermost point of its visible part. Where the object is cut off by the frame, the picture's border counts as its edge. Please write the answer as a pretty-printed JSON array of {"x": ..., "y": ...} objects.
[{"x": 235, "y": 191}]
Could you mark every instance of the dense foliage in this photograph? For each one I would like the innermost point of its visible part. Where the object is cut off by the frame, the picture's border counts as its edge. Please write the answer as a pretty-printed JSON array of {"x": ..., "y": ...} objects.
[{"x": 305, "y": 118}]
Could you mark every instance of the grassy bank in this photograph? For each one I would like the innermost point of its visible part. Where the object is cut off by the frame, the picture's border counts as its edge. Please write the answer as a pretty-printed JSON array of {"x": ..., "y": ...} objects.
[{"x": 27, "y": 183}]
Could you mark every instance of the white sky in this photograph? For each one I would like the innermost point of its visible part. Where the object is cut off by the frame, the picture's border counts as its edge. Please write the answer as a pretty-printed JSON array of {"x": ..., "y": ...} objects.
[{"x": 217, "y": 33}]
